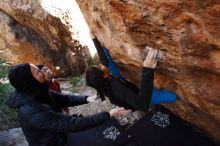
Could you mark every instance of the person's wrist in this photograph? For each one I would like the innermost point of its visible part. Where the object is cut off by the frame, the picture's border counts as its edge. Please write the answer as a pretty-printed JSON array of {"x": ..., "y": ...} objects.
[
  {"x": 86, "y": 98},
  {"x": 149, "y": 66},
  {"x": 111, "y": 114}
]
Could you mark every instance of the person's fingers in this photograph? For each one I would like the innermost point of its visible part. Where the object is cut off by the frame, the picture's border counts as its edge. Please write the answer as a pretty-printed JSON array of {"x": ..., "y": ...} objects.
[
  {"x": 125, "y": 112},
  {"x": 154, "y": 55},
  {"x": 148, "y": 48},
  {"x": 150, "y": 55},
  {"x": 118, "y": 109},
  {"x": 156, "y": 52},
  {"x": 151, "y": 58},
  {"x": 93, "y": 98},
  {"x": 122, "y": 110},
  {"x": 97, "y": 99},
  {"x": 155, "y": 60}
]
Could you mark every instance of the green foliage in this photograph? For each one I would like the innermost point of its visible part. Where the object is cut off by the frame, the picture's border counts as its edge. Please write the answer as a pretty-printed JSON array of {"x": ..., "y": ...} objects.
[
  {"x": 4, "y": 87},
  {"x": 3, "y": 69},
  {"x": 75, "y": 80},
  {"x": 4, "y": 93},
  {"x": 8, "y": 116}
]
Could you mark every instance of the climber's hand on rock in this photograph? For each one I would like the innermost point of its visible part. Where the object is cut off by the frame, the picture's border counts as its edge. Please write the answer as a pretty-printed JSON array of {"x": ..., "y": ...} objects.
[{"x": 151, "y": 61}]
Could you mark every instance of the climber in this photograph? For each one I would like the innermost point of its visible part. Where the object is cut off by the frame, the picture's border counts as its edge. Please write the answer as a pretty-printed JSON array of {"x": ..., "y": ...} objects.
[
  {"x": 39, "y": 115},
  {"x": 108, "y": 81}
]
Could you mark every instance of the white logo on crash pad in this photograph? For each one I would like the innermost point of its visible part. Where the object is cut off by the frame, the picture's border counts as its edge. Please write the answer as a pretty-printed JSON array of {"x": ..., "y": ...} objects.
[
  {"x": 161, "y": 119},
  {"x": 111, "y": 133}
]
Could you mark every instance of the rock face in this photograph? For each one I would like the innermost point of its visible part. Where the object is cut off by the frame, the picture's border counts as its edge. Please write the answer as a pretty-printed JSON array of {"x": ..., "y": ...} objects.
[
  {"x": 188, "y": 32},
  {"x": 30, "y": 34}
]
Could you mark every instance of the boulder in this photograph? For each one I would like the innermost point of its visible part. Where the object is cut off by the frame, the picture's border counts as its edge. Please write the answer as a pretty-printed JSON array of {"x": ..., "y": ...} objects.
[{"x": 187, "y": 32}]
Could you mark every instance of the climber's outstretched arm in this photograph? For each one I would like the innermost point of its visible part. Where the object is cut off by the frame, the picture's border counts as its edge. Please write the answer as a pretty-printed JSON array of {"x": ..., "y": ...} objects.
[
  {"x": 100, "y": 51},
  {"x": 106, "y": 60}
]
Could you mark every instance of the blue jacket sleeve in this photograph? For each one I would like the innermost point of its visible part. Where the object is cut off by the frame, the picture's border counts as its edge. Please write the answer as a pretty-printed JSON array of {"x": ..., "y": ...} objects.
[{"x": 63, "y": 100}]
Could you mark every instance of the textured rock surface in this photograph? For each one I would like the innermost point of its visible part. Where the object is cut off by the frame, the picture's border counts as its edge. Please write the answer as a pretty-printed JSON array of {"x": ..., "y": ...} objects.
[
  {"x": 30, "y": 34},
  {"x": 188, "y": 32}
]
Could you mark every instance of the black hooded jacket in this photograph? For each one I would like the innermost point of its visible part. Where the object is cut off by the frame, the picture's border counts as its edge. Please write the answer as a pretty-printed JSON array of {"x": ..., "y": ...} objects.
[{"x": 44, "y": 124}]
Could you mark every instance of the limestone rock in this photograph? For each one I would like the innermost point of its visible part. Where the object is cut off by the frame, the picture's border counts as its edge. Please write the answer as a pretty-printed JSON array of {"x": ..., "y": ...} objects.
[
  {"x": 188, "y": 32},
  {"x": 30, "y": 34}
]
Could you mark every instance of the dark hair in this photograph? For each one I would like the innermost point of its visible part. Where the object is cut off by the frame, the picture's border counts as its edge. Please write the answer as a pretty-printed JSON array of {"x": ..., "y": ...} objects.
[
  {"x": 40, "y": 66},
  {"x": 95, "y": 79}
]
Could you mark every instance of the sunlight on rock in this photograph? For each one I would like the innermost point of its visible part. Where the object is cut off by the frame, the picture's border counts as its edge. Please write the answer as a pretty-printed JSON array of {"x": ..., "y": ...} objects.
[{"x": 70, "y": 14}]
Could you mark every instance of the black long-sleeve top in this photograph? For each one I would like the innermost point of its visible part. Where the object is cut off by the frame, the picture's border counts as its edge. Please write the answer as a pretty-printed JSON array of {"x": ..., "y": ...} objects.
[{"x": 125, "y": 93}]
